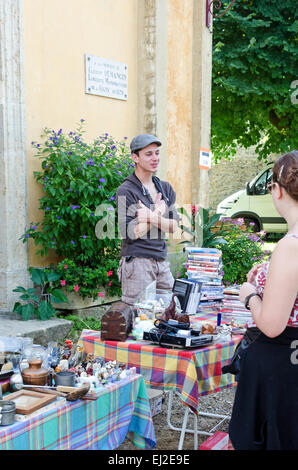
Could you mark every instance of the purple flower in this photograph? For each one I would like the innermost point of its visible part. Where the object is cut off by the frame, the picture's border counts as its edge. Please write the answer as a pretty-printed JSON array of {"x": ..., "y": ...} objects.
[
  {"x": 69, "y": 189},
  {"x": 47, "y": 208},
  {"x": 102, "y": 180},
  {"x": 79, "y": 169},
  {"x": 99, "y": 187},
  {"x": 72, "y": 242},
  {"x": 92, "y": 214},
  {"x": 27, "y": 236},
  {"x": 58, "y": 217},
  {"x": 69, "y": 153},
  {"x": 84, "y": 236},
  {"x": 101, "y": 164}
]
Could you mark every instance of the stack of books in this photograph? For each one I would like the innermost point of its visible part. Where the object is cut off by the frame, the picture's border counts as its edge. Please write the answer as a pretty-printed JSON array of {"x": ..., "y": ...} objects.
[
  {"x": 232, "y": 310},
  {"x": 188, "y": 293},
  {"x": 205, "y": 265}
]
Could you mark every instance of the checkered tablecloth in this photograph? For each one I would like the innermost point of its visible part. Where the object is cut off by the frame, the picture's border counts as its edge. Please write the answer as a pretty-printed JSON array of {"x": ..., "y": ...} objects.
[
  {"x": 121, "y": 410},
  {"x": 191, "y": 372}
]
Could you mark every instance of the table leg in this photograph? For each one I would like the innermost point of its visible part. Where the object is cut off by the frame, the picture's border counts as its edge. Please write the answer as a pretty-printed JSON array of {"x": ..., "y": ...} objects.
[{"x": 195, "y": 431}]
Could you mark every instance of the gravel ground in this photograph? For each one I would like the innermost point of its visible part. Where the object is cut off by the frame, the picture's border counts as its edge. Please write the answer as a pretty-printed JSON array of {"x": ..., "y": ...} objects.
[{"x": 167, "y": 439}]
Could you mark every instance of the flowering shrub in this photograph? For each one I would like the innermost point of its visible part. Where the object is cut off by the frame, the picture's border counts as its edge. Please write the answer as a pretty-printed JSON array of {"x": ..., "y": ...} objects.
[
  {"x": 241, "y": 252},
  {"x": 88, "y": 281},
  {"x": 79, "y": 182}
]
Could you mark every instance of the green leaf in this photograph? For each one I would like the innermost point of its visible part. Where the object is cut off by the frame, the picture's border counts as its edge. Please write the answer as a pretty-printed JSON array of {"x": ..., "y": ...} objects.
[
  {"x": 58, "y": 296},
  {"x": 37, "y": 276},
  {"x": 27, "y": 311},
  {"x": 16, "y": 307},
  {"x": 46, "y": 310},
  {"x": 25, "y": 296},
  {"x": 19, "y": 289},
  {"x": 53, "y": 276}
]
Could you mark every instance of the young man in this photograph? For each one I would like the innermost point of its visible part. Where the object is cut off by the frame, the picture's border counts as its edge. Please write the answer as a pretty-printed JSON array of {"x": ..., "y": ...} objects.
[{"x": 146, "y": 212}]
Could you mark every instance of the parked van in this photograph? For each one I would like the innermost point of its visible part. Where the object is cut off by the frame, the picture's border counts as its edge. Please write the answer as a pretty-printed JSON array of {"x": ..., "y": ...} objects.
[{"x": 255, "y": 204}]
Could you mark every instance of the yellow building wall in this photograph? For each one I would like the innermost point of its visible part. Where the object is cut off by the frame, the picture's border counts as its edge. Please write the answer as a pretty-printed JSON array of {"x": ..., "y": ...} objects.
[{"x": 57, "y": 35}]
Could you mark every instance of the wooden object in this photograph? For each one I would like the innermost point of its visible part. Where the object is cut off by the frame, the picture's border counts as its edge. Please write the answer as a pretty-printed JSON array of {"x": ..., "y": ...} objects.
[
  {"x": 117, "y": 322},
  {"x": 27, "y": 401},
  {"x": 35, "y": 374},
  {"x": 70, "y": 393}
]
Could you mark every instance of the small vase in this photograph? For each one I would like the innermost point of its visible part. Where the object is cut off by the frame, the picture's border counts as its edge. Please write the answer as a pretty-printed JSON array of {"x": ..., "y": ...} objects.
[{"x": 35, "y": 374}]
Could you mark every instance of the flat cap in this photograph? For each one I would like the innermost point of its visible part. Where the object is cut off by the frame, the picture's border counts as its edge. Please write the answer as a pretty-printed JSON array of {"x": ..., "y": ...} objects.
[{"x": 143, "y": 140}]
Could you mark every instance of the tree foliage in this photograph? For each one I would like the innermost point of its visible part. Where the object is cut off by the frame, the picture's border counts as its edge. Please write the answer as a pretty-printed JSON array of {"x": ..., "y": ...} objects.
[{"x": 255, "y": 78}]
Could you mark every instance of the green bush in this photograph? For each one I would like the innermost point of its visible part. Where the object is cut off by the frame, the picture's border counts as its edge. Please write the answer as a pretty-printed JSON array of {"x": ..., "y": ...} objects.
[
  {"x": 80, "y": 181},
  {"x": 241, "y": 252}
]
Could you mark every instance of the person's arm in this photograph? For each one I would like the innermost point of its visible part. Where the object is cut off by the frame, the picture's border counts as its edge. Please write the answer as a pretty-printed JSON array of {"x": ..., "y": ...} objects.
[
  {"x": 147, "y": 217},
  {"x": 271, "y": 314}
]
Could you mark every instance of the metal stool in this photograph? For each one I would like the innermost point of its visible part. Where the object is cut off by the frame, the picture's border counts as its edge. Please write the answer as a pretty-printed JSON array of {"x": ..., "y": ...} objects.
[{"x": 195, "y": 431}]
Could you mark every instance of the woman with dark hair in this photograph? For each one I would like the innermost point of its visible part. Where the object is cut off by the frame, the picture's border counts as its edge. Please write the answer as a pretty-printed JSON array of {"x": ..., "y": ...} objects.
[{"x": 265, "y": 411}]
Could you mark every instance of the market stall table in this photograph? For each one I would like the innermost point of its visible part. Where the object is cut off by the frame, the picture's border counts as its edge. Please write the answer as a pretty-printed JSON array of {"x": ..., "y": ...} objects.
[
  {"x": 191, "y": 372},
  {"x": 121, "y": 410}
]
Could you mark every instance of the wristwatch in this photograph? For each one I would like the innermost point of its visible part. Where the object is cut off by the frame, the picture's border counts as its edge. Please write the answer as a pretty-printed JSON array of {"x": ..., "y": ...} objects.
[{"x": 247, "y": 299}]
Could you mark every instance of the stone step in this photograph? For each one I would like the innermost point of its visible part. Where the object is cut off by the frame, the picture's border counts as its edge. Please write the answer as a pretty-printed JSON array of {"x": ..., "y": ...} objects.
[{"x": 54, "y": 329}]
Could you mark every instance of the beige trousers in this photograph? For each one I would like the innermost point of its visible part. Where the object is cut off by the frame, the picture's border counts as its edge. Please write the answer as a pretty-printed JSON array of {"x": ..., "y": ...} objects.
[{"x": 136, "y": 275}]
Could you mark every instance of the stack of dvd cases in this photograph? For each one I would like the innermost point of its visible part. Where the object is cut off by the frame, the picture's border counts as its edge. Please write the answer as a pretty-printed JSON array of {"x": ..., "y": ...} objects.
[{"x": 205, "y": 265}]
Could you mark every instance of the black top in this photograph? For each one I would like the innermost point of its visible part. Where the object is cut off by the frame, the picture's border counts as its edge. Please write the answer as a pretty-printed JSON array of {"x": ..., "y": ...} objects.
[{"x": 152, "y": 244}]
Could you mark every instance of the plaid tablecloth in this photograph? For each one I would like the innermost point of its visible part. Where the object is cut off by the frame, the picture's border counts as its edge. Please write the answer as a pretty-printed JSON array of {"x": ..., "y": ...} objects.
[
  {"x": 121, "y": 410},
  {"x": 191, "y": 372}
]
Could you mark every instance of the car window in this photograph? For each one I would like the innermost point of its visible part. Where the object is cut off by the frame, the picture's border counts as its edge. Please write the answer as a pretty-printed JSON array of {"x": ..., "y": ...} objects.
[{"x": 260, "y": 187}]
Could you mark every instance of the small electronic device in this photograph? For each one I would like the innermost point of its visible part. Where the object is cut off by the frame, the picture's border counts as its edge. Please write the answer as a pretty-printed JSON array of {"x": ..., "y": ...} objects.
[{"x": 175, "y": 334}]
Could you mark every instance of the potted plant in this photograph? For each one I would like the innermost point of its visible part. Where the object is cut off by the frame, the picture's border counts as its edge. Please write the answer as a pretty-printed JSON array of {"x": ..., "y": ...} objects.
[{"x": 79, "y": 181}]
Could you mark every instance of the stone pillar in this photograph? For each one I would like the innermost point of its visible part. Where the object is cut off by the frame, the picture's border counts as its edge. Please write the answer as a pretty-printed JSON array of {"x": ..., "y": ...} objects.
[
  {"x": 174, "y": 90},
  {"x": 201, "y": 102},
  {"x": 13, "y": 192}
]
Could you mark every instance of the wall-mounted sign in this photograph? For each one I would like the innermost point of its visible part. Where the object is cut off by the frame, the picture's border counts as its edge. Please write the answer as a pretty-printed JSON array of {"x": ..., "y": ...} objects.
[
  {"x": 205, "y": 159},
  {"x": 106, "y": 77}
]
